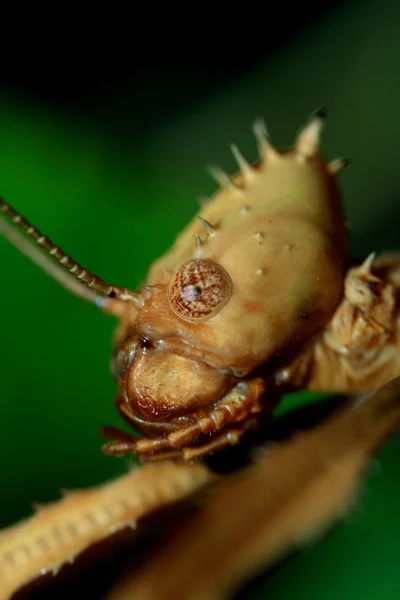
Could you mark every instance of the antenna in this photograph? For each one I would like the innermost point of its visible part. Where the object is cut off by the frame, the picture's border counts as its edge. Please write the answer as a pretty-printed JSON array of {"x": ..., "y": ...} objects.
[{"x": 59, "y": 265}]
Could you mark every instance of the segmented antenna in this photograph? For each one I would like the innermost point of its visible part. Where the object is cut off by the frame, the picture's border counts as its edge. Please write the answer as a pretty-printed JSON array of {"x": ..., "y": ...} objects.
[{"x": 86, "y": 278}]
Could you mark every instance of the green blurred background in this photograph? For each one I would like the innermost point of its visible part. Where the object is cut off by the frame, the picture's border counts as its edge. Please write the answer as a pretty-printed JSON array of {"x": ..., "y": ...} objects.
[{"x": 111, "y": 165}]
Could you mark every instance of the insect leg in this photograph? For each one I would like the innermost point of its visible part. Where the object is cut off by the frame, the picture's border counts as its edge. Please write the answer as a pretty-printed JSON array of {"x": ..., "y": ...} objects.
[
  {"x": 231, "y": 437},
  {"x": 228, "y": 438},
  {"x": 133, "y": 446},
  {"x": 359, "y": 349},
  {"x": 237, "y": 406}
]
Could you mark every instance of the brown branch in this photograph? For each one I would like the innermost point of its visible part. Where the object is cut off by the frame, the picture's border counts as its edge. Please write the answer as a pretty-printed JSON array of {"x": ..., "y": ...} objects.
[
  {"x": 61, "y": 531},
  {"x": 295, "y": 491}
]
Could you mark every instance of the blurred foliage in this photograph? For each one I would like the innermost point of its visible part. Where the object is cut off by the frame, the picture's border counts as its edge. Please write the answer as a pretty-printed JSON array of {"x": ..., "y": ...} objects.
[{"x": 116, "y": 202}]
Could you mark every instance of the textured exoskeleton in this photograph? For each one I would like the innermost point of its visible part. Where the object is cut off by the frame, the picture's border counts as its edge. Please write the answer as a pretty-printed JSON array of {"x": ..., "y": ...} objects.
[{"x": 253, "y": 298}]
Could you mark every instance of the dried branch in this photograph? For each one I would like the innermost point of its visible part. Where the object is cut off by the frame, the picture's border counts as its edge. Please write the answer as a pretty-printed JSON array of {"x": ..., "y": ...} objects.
[
  {"x": 293, "y": 492},
  {"x": 60, "y": 531}
]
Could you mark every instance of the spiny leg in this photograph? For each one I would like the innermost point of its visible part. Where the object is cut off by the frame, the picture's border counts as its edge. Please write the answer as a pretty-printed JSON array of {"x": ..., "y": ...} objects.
[
  {"x": 117, "y": 434},
  {"x": 238, "y": 406},
  {"x": 124, "y": 442},
  {"x": 359, "y": 349},
  {"x": 231, "y": 437}
]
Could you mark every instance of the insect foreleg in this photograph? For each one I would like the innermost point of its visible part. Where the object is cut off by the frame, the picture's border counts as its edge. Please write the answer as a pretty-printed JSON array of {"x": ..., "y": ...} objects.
[
  {"x": 225, "y": 423},
  {"x": 359, "y": 350}
]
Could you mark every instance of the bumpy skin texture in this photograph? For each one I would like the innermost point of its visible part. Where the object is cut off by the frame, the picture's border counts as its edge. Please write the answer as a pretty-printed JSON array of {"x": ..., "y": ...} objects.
[
  {"x": 277, "y": 235},
  {"x": 296, "y": 229},
  {"x": 252, "y": 300}
]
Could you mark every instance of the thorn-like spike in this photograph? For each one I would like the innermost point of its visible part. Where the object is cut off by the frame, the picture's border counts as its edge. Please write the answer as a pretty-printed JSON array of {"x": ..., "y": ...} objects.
[
  {"x": 243, "y": 164},
  {"x": 367, "y": 264},
  {"x": 207, "y": 226},
  {"x": 265, "y": 148},
  {"x": 260, "y": 132},
  {"x": 199, "y": 243},
  {"x": 308, "y": 140},
  {"x": 365, "y": 268},
  {"x": 220, "y": 177},
  {"x": 338, "y": 164},
  {"x": 149, "y": 288}
]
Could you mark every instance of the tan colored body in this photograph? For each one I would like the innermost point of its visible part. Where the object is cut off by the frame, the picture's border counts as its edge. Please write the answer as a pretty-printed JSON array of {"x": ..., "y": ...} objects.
[
  {"x": 293, "y": 317},
  {"x": 280, "y": 216},
  {"x": 252, "y": 300},
  {"x": 284, "y": 218}
]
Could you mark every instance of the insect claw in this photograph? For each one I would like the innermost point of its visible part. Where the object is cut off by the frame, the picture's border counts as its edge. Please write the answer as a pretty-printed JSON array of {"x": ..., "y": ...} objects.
[
  {"x": 117, "y": 448},
  {"x": 338, "y": 164},
  {"x": 308, "y": 140}
]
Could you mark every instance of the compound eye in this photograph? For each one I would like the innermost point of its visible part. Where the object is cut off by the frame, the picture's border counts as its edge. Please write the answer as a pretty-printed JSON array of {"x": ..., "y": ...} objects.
[{"x": 199, "y": 289}]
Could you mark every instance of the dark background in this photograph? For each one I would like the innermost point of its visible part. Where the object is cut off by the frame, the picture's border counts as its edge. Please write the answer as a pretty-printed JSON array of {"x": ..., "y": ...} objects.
[{"x": 83, "y": 70}]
